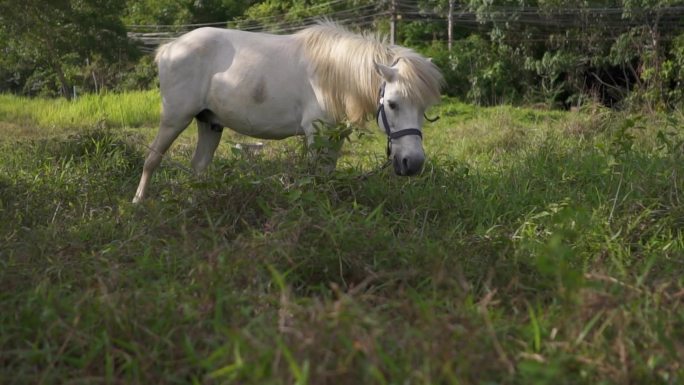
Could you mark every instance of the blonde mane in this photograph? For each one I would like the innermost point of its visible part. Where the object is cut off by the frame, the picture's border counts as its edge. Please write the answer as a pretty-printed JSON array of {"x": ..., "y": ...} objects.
[{"x": 342, "y": 64}]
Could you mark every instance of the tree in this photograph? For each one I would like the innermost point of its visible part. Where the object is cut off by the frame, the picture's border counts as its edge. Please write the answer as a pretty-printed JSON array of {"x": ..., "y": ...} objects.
[
  {"x": 182, "y": 12},
  {"x": 606, "y": 49},
  {"x": 291, "y": 15},
  {"x": 52, "y": 35}
]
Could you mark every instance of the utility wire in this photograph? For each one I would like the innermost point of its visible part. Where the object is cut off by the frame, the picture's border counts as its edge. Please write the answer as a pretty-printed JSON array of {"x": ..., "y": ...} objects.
[
  {"x": 536, "y": 23},
  {"x": 494, "y": 14}
]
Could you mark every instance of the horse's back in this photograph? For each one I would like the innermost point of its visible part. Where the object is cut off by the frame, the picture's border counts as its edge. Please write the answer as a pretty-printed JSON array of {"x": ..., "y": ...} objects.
[
  {"x": 191, "y": 62},
  {"x": 211, "y": 45},
  {"x": 254, "y": 83}
]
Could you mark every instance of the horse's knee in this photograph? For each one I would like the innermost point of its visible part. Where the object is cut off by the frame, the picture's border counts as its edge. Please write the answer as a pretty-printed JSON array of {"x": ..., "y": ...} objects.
[{"x": 152, "y": 161}]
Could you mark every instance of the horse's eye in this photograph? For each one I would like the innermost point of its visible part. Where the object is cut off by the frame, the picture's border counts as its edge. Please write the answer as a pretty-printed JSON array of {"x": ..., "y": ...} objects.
[{"x": 392, "y": 105}]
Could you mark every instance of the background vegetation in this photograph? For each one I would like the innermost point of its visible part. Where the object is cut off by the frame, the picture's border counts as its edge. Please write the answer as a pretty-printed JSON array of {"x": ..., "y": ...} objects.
[{"x": 559, "y": 54}]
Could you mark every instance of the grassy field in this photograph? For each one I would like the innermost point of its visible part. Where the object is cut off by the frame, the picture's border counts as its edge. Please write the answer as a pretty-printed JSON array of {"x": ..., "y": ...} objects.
[{"x": 536, "y": 247}]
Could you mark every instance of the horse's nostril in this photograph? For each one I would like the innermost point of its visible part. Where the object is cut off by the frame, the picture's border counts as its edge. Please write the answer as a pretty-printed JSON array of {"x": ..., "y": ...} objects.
[
  {"x": 407, "y": 166},
  {"x": 397, "y": 166}
]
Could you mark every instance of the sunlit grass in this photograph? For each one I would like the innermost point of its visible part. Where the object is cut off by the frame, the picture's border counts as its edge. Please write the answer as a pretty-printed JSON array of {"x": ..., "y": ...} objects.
[{"x": 131, "y": 109}]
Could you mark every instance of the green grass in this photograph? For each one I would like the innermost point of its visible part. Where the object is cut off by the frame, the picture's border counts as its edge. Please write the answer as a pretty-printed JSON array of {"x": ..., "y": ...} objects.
[
  {"x": 536, "y": 248},
  {"x": 110, "y": 110}
]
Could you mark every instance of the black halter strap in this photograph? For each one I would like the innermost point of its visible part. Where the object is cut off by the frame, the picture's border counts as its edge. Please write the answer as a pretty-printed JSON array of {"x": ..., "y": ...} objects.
[{"x": 381, "y": 117}]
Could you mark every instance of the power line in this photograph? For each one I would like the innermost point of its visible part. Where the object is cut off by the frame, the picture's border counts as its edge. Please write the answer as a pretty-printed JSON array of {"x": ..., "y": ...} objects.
[
  {"x": 495, "y": 14},
  {"x": 537, "y": 24},
  {"x": 261, "y": 20}
]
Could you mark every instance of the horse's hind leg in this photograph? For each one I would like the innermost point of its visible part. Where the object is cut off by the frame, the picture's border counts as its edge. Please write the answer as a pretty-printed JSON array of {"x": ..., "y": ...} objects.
[
  {"x": 168, "y": 132},
  {"x": 208, "y": 138}
]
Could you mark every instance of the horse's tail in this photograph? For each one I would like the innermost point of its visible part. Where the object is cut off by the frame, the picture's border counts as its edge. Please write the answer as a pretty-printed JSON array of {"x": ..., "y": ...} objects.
[{"x": 160, "y": 51}]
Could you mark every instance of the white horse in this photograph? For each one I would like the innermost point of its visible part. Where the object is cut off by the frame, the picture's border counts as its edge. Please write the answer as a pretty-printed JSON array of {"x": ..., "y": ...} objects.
[{"x": 276, "y": 86}]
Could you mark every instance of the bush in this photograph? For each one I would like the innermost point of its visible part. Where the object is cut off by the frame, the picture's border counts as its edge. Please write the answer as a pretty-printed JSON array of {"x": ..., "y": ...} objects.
[
  {"x": 142, "y": 76},
  {"x": 479, "y": 71}
]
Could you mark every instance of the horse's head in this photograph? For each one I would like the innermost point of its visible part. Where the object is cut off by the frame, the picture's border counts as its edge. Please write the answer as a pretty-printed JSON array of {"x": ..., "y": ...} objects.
[{"x": 400, "y": 114}]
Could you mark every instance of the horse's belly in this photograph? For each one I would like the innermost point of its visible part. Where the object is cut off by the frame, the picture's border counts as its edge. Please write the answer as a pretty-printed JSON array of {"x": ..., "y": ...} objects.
[
  {"x": 265, "y": 131},
  {"x": 263, "y": 123}
]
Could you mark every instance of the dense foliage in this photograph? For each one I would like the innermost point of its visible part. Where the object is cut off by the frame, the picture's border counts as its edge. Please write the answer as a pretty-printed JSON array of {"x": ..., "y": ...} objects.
[
  {"x": 559, "y": 53},
  {"x": 50, "y": 46}
]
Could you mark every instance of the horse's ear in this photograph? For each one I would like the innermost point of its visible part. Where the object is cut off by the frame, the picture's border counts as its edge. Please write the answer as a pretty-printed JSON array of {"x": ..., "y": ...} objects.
[{"x": 386, "y": 72}]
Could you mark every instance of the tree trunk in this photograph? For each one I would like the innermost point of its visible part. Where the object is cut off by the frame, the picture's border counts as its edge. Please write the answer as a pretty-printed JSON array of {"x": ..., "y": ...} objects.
[
  {"x": 450, "y": 19},
  {"x": 64, "y": 85},
  {"x": 393, "y": 22},
  {"x": 657, "y": 79}
]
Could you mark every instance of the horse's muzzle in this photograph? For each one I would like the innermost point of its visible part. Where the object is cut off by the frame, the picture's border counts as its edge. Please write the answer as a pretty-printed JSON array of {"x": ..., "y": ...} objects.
[{"x": 407, "y": 165}]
